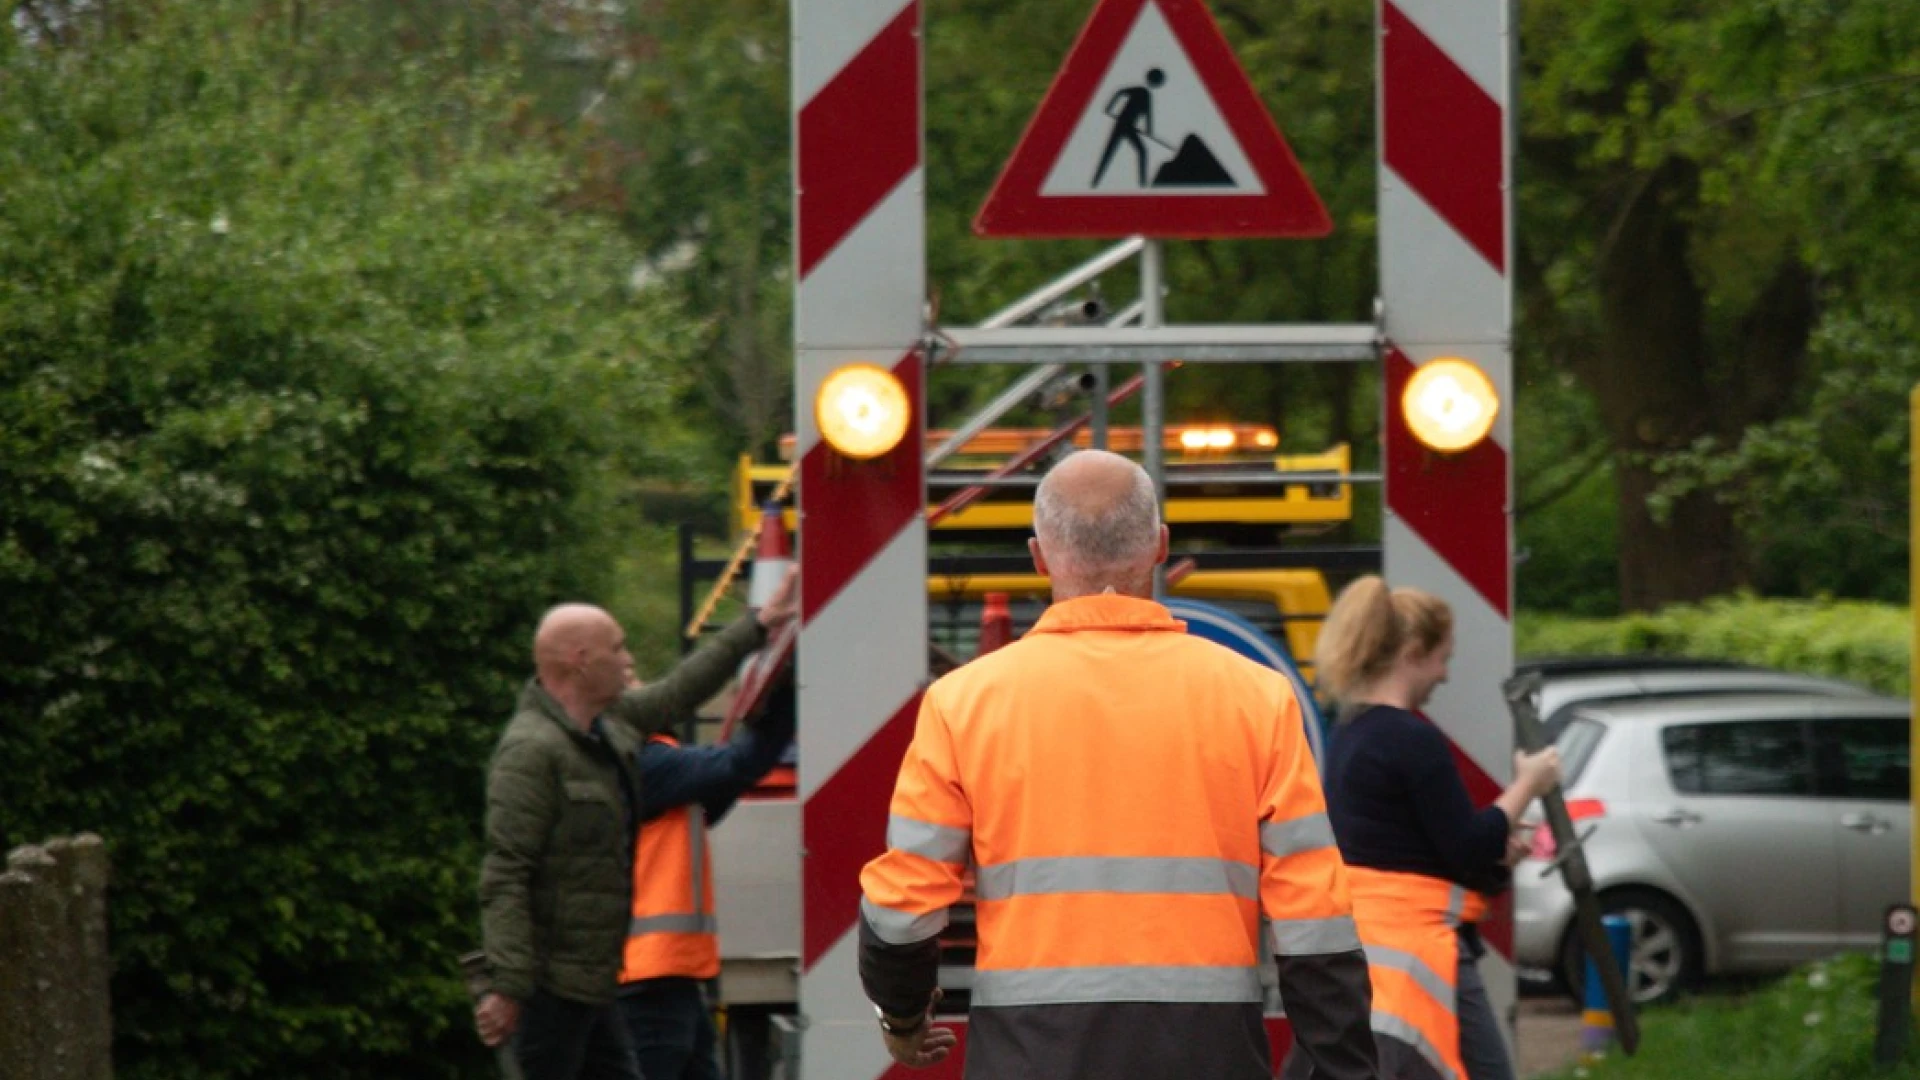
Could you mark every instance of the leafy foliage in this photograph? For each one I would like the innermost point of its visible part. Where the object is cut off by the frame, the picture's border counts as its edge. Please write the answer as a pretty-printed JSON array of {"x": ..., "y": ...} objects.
[
  {"x": 309, "y": 402},
  {"x": 692, "y": 140},
  {"x": 1822, "y": 492},
  {"x": 1863, "y": 642},
  {"x": 1568, "y": 559},
  {"x": 1710, "y": 191}
]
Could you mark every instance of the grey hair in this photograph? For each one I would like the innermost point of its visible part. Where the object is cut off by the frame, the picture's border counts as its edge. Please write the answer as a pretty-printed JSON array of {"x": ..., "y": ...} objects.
[{"x": 1119, "y": 535}]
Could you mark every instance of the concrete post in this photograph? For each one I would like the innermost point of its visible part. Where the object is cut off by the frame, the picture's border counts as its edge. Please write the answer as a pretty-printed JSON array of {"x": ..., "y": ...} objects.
[
  {"x": 81, "y": 874},
  {"x": 19, "y": 1026},
  {"x": 40, "y": 1009},
  {"x": 55, "y": 1015}
]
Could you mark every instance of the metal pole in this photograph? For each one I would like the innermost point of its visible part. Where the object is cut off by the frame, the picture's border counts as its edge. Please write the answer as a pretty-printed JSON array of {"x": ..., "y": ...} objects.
[
  {"x": 1097, "y": 423},
  {"x": 1913, "y": 608},
  {"x": 1025, "y": 388},
  {"x": 1013, "y": 395},
  {"x": 1053, "y": 290},
  {"x": 1895, "y": 1029},
  {"x": 1103, "y": 376},
  {"x": 1154, "y": 400}
]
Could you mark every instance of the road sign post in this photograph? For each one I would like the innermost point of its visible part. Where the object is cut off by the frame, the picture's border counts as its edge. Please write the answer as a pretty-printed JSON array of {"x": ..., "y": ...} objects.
[{"x": 1896, "y": 985}]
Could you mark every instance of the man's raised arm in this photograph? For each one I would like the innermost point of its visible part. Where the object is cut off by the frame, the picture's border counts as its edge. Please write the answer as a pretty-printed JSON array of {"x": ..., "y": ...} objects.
[{"x": 656, "y": 706}]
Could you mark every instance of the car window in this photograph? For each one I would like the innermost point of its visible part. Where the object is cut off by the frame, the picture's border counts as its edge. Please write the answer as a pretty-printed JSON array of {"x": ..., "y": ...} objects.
[
  {"x": 1746, "y": 757},
  {"x": 1864, "y": 758},
  {"x": 1564, "y": 715},
  {"x": 1576, "y": 743}
]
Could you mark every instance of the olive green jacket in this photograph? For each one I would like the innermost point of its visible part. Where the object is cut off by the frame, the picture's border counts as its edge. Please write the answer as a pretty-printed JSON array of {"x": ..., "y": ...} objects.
[{"x": 556, "y": 882}]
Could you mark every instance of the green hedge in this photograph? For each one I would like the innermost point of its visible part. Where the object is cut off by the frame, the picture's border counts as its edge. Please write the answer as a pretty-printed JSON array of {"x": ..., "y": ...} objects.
[
  {"x": 309, "y": 403},
  {"x": 1863, "y": 642}
]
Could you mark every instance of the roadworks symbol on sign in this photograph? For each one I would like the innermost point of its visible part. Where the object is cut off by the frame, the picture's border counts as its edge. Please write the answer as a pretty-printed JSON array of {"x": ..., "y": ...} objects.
[{"x": 1151, "y": 127}]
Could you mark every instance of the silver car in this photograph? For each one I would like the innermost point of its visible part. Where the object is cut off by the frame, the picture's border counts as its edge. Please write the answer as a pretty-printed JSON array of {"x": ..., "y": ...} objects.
[
  {"x": 1570, "y": 682},
  {"x": 1737, "y": 832}
]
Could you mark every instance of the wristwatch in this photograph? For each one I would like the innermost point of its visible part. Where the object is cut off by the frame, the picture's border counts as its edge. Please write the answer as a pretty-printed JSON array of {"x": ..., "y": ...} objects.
[{"x": 887, "y": 1024}]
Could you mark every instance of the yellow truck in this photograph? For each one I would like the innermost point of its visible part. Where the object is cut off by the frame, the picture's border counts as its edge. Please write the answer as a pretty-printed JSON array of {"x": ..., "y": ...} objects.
[{"x": 1218, "y": 513}]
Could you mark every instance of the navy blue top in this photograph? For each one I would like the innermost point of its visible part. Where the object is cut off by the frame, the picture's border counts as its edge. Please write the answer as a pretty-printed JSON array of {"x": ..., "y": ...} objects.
[
  {"x": 713, "y": 776},
  {"x": 1397, "y": 802}
]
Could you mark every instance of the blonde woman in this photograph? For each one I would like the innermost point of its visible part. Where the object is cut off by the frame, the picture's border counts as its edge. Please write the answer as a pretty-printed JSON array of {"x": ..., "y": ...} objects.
[{"x": 1422, "y": 859}]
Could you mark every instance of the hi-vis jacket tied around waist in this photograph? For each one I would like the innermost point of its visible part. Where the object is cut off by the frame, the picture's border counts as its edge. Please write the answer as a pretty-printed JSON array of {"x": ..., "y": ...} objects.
[
  {"x": 1409, "y": 924},
  {"x": 1134, "y": 803}
]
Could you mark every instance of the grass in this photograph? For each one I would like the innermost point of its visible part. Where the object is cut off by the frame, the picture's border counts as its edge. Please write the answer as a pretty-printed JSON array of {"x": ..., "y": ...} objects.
[{"x": 1818, "y": 1023}]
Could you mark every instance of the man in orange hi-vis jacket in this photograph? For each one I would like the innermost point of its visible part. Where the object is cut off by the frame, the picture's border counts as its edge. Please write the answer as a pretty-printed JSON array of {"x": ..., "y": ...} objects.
[{"x": 1133, "y": 801}]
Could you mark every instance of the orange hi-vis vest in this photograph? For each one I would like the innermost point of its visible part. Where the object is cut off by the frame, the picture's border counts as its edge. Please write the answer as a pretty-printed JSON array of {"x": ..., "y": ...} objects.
[
  {"x": 1133, "y": 801},
  {"x": 1409, "y": 926},
  {"x": 673, "y": 932}
]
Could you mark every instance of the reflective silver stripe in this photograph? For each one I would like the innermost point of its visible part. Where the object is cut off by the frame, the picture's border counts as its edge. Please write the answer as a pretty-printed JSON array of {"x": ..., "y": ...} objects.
[
  {"x": 902, "y": 927},
  {"x": 1116, "y": 874},
  {"x": 1314, "y": 937},
  {"x": 1283, "y": 838},
  {"x": 941, "y": 843},
  {"x": 1064, "y": 986},
  {"x": 1429, "y": 980},
  {"x": 673, "y": 924},
  {"x": 1456, "y": 904},
  {"x": 1395, "y": 1028}
]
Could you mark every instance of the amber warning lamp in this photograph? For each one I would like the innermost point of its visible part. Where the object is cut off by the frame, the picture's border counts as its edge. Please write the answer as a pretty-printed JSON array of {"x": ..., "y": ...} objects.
[
  {"x": 862, "y": 411},
  {"x": 1449, "y": 405}
]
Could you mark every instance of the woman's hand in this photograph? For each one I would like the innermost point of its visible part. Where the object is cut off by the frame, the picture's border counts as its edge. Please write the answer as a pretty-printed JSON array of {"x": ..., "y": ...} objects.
[
  {"x": 1519, "y": 843},
  {"x": 1538, "y": 772}
]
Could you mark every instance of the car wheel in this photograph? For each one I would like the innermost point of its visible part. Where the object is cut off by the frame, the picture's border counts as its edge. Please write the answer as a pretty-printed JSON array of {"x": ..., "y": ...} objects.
[{"x": 1667, "y": 956}]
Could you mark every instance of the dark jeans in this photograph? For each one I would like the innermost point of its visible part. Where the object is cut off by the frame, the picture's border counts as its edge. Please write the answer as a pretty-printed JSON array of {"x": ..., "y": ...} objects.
[
  {"x": 1482, "y": 1049},
  {"x": 671, "y": 1030},
  {"x": 568, "y": 1040}
]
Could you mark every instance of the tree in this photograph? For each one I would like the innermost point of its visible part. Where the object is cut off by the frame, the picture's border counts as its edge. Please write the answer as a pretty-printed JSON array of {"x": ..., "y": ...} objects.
[
  {"x": 710, "y": 194},
  {"x": 313, "y": 393},
  {"x": 1822, "y": 492},
  {"x": 1702, "y": 186}
]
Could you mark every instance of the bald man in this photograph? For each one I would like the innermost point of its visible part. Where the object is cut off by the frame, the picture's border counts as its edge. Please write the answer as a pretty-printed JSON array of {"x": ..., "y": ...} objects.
[
  {"x": 1136, "y": 805},
  {"x": 563, "y": 798}
]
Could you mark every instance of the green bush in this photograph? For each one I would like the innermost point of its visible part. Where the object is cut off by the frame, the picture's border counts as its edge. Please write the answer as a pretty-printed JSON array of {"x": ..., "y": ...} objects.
[
  {"x": 309, "y": 403},
  {"x": 1864, "y": 642}
]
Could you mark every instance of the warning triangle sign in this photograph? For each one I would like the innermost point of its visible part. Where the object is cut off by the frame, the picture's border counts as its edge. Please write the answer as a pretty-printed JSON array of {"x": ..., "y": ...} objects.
[{"x": 1151, "y": 127}]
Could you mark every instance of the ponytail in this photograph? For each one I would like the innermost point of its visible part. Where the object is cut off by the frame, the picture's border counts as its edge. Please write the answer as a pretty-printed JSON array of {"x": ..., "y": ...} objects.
[
  {"x": 1359, "y": 639},
  {"x": 1368, "y": 628}
]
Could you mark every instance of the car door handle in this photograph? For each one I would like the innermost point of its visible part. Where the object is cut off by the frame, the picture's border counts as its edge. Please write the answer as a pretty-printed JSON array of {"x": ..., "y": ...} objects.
[
  {"x": 1678, "y": 818},
  {"x": 1866, "y": 823}
]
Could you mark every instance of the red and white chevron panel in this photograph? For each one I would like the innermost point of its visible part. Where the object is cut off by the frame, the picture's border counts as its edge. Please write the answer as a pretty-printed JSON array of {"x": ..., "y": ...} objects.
[
  {"x": 1446, "y": 243},
  {"x": 860, "y": 241}
]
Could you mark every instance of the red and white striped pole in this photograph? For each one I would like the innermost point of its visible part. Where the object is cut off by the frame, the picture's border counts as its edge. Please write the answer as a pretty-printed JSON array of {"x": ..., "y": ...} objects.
[
  {"x": 860, "y": 240},
  {"x": 1446, "y": 243}
]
